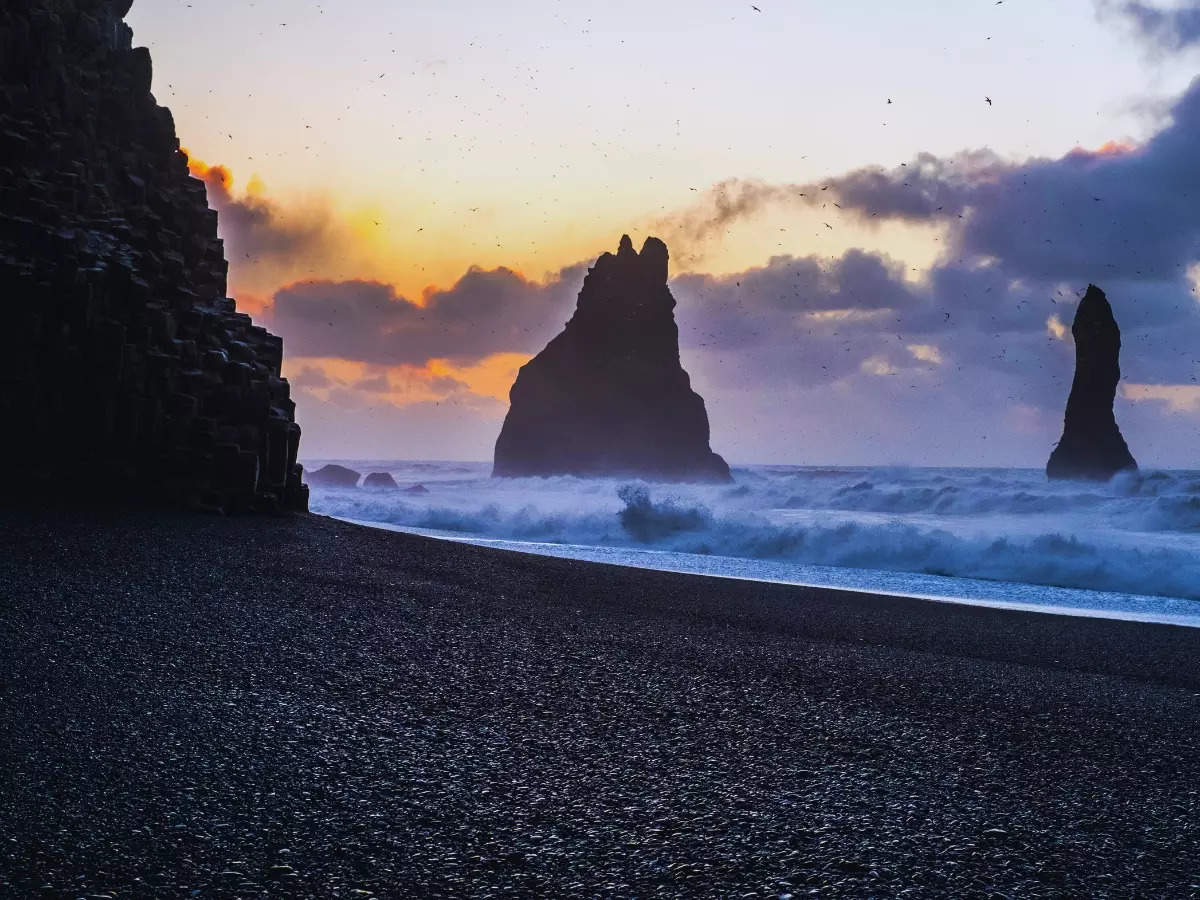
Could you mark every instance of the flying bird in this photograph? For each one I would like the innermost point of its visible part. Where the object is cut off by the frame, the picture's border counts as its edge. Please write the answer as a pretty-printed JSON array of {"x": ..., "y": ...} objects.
[
  {"x": 755, "y": 8},
  {"x": 989, "y": 100}
]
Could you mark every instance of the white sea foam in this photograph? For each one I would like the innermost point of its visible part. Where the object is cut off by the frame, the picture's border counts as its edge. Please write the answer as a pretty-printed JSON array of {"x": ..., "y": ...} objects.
[{"x": 1139, "y": 534}]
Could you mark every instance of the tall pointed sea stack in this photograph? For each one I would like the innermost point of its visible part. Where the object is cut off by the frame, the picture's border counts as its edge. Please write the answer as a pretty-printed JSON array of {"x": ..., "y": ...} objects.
[
  {"x": 1091, "y": 445},
  {"x": 608, "y": 396},
  {"x": 125, "y": 368}
]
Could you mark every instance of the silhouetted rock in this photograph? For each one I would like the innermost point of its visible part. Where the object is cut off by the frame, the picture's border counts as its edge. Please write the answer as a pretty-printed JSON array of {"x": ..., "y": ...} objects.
[
  {"x": 380, "y": 481},
  {"x": 416, "y": 489},
  {"x": 125, "y": 368},
  {"x": 334, "y": 476},
  {"x": 608, "y": 395},
  {"x": 1091, "y": 445}
]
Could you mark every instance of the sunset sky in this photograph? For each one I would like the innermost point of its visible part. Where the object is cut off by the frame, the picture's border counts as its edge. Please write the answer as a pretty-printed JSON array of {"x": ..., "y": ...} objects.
[{"x": 410, "y": 194}]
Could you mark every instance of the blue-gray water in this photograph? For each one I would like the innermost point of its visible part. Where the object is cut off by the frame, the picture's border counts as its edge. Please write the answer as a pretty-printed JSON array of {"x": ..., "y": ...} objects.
[{"x": 1129, "y": 548}]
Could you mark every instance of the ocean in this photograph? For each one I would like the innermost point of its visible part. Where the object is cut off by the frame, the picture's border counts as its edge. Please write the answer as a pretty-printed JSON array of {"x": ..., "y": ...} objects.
[{"x": 1001, "y": 537}]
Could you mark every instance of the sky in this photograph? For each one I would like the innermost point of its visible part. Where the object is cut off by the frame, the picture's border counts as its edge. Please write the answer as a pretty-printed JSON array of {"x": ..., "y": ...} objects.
[{"x": 880, "y": 216}]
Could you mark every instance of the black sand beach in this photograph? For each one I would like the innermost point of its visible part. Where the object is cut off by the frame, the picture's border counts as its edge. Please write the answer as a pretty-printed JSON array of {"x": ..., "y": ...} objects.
[{"x": 197, "y": 706}]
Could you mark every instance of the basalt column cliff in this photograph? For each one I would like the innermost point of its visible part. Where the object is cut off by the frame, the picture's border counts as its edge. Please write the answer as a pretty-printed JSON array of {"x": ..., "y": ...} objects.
[
  {"x": 608, "y": 396},
  {"x": 125, "y": 367},
  {"x": 1091, "y": 445}
]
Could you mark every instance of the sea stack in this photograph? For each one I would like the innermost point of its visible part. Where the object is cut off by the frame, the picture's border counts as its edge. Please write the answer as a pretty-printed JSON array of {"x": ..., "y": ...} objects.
[
  {"x": 380, "y": 481},
  {"x": 608, "y": 395},
  {"x": 334, "y": 476},
  {"x": 126, "y": 370},
  {"x": 1091, "y": 446}
]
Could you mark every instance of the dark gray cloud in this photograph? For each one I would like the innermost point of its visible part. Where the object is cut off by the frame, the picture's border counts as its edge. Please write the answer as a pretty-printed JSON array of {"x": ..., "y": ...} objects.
[
  {"x": 959, "y": 367},
  {"x": 1170, "y": 29},
  {"x": 485, "y": 312},
  {"x": 725, "y": 203},
  {"x": 1022, "y": 238},
  {"x": 966, "y": 336},
  {"x": 1116, "y": 213},
  {"x": 808, "y": 322},
  {"x": 966, "y": 366},
  {"x": 1119, "y": 213},
  {"x": 927, "y": 188},
  {"x": 799, "y": 321}
]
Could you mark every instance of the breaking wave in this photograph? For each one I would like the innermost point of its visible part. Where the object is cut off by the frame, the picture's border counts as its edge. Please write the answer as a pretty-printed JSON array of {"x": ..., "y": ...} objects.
[{"x": 1138, "y": 534}]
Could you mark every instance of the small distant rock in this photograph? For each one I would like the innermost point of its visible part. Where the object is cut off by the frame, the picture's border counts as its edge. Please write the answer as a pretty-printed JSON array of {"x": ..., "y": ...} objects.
[
  {"x": 333, "y": 476},
  {"x": 416, "y": 489},
  {"x": 380, "y": 481}
]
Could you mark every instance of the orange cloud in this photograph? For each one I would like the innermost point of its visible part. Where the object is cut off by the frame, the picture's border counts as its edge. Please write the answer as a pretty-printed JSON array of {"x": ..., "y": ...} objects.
[
  {"x": 256, "y": 305},
  {"x": 492, "y": 376},
  {"x": 1115, "y": 148},
  {"x": 1107, "y": 149},
  {"x": 214, "y": 176}
]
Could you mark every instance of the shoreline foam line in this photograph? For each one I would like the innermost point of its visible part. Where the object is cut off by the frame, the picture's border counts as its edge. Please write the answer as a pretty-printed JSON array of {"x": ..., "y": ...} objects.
[{"x": 511, "y": 546}]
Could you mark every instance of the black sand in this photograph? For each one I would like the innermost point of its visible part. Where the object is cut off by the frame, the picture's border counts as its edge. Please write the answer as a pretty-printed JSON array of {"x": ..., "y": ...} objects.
[{"x": 211, "y": 707}]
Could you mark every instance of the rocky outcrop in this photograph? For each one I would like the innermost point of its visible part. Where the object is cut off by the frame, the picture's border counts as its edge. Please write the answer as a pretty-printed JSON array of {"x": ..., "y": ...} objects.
[
  {"x": 380, "y": 481},
  {"x": 608, "y": 395},
  {"x": 334, "y": 476},
  {"x": 1092, "y": 446},
  {"x": 125, "y": 366}
]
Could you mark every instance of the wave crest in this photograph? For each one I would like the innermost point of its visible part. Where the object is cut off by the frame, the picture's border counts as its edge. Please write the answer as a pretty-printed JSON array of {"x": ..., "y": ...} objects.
[{"x": 1138, "y": 534}]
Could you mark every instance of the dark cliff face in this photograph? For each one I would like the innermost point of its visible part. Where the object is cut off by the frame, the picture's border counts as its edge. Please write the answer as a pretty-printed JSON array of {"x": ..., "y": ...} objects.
[
  {"x": 1091, "y": 445},
  {"x": 126, "y": 369},
  {"x": 608, "y": 395}
]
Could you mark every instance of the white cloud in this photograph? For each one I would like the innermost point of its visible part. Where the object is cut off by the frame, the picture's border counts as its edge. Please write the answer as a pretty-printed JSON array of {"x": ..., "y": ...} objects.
[
  {"x": 877, "y": 365},
  {"x": 1055, "y": 328},
  {"x": 926, "y": 353},
  {"x": 1179, "y": 398}
]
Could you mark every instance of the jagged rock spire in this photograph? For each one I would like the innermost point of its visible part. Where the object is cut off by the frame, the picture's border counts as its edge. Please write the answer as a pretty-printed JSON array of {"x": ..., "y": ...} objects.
[{"x": 608, "y": 396}]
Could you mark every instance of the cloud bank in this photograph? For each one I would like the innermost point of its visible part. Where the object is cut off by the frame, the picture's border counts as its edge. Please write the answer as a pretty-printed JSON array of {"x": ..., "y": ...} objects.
[
  {"x": 807, "y": 358},
  {"x": 484, "y": 312},
  {"x": 1170, "y": 29}
]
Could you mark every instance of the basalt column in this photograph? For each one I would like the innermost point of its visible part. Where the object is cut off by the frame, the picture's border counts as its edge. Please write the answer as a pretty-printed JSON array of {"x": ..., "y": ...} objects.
[{"x": 126, "y": 370}]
